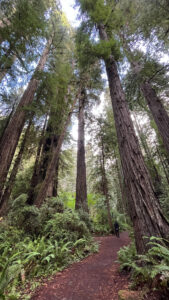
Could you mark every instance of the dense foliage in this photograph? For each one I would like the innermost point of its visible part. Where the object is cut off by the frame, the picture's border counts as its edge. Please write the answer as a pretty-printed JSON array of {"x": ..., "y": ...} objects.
[
  {"x": 38, "y": 242},
  {"x": 57, "y": 188},
  {"x": 150, "y": 269}
]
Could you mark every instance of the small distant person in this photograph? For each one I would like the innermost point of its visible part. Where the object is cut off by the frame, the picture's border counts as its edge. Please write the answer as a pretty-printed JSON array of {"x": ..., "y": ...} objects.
[{"x": 116, "y": 228}]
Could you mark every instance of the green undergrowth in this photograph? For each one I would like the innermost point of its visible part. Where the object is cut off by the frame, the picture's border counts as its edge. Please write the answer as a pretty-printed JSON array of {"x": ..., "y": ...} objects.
[
  {"x": 101, "y": 225},
  {"x": 68, "y": 199},
  {"x": 150, "y": 269},
  {"x": 39, "y": 242}
]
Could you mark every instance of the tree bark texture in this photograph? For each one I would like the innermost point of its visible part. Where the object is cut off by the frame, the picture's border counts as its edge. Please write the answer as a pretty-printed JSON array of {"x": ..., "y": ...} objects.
[
  {"x": 81, "y": 186},
  {"x": 53, "y": 163},
  {"x": 13, "y": 131},
  {"x": 56, "y": 181},
  {"x": 48, "y": 145},
  {"x": 105, "y": 186},
  {"x": 145, "y": 212},
  {"x": 52, "y": 188},
  {"x": 36, "y": 170},
  {"x": 7, "y": 122},
  {"x": 155, "y": 105},
  {"x": 123, "y": 202},
  {"x": 159, "y": 114},
  {"x": 165, "y": 169},
  {"x": 153, "y": 170},
  {"x": 11, "y": 181}
]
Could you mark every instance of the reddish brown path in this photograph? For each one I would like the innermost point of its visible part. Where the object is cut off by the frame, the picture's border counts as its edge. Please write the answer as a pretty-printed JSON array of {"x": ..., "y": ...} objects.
[{"x": 94, "y": 278}]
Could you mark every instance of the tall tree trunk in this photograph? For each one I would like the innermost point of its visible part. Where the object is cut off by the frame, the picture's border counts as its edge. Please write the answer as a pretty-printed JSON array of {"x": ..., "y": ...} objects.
[
  {"x": 123, "y": 202},
  {"x": 153, "y": 170},
  {"x": 7, "y": 122},
  {"x": 158, "y": 112},
  {"x": 155, "y": 105},
  {"x": 145, "y": 212},
  {"x": 12, "y": 133},
  {"x": 48, "y": 145},
  {"x": 105, "y": 187},
  {"x": 163, "y": 164},
  {"x": 36, "y": 170},
  {"x": 52, "y": 188},
  {"x": 81, "y": 186},
  {"x": 11, "y": 181},
  {"x": 56, "y": 181},
  {"x": 53, "y": 163}
]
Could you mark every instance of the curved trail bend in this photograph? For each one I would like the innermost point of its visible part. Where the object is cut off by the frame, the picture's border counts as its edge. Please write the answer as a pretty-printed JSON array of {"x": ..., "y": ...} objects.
[{"x": 94, "y": 278}]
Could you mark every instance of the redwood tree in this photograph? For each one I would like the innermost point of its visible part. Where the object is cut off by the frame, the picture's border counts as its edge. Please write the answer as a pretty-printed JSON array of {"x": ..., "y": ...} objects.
[
  {"x": 43, "y": 192},
  {"x": 154, "y": 103},
  {"x": 11, "y": 180},
  {"x": 81, "y": 187},
  {"x": 48, "y": 148},
  {"x": 13, "y": 131},
  {"x": 90, "y": 79},
  {"x": 145, "y": 212}
]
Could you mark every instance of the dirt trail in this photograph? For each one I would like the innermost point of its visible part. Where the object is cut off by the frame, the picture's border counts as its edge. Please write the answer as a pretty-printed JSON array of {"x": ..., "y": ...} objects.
[{"x": 94, "y": 278}]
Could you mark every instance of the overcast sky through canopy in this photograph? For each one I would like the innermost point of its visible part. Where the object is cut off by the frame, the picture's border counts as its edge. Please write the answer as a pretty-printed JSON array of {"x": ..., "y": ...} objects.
[{"x": 71, "y": 13}]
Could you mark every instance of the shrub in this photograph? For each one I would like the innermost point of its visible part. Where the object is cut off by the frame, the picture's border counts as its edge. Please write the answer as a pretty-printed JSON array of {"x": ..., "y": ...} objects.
[
  {"x": 84, "y": 216},
  {"x": 49, "y": 208},
  {"x": 126, "y": 256},
  {"x": 101, "y": 229},
  {"x": 22, "y": 183},
  {"x": 62, "y": 239},
  {"x": 67, "y": 226},
  {"x": 24, "y": 216},
  {"x": 151, "y": 268}
]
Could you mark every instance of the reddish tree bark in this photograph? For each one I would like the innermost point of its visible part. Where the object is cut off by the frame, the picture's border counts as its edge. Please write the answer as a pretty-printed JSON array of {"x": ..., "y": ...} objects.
[
  {"x": 165, "y": 169},
  {"x": 153, "y": 170},
  {"x": 36, "y": 170},
  {"x": 105, "y": 186},
  {"x": 52, "y": 187},
  {"x": 159, "y": 114},
  {"x": 11, "y": 181},
  {"x": 53, "y": 163},
  {"x": 13, "y": 131},
  {"x": 123, "y": 202},
  {"x": 145, "y": 212},
  {"x": 56, "y": 181},
  {"x": 155, "y": 105},
  {"x": 81, "y": 186}
]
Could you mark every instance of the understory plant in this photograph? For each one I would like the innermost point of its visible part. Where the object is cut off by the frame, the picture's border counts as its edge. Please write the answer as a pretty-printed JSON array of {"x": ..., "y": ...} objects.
[
  {"x": 151, "y": 268},
  {"x": 38, "y": 242},
  {"x": 101, "y": 225}
]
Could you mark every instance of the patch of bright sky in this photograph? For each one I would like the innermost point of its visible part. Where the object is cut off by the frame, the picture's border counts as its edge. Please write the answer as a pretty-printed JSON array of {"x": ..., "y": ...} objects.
[{"x": 70, "y": 11}]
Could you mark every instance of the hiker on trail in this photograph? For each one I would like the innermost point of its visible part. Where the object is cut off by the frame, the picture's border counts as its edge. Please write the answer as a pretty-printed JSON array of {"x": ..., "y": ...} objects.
[{"x": 116, "y": 228}]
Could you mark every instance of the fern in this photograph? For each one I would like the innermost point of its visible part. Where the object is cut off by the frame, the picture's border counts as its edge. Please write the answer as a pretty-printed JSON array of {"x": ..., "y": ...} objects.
[
  {"x": 79, "y": 242},
  {"x": 63, "y": 238},
  {"x": 145, "y": 268}
]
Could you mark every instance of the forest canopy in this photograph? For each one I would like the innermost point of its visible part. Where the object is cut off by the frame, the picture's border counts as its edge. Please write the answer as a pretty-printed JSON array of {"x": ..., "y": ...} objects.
[{"x": 108, "y": 80}]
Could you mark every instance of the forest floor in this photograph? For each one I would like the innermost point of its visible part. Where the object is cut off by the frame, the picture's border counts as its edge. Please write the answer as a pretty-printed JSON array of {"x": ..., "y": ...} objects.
[{"x": 96, "y": 277}]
